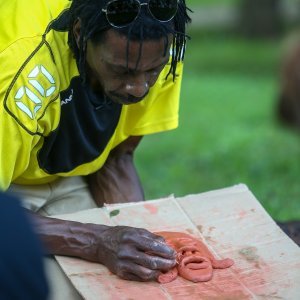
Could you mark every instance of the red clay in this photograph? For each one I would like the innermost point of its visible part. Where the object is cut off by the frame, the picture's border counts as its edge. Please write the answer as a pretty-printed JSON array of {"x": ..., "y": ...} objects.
[{"x": 195, "y": 261}]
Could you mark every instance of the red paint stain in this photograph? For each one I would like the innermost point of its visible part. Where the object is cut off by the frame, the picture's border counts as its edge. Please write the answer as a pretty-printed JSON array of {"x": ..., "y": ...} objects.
[
  {"x": 226, "y": 288},
  {"x": 210, "y": 239},
  {"x": 210, "y": 229},
  {"x": 242, "y": 214},
  {"x": 151, "y": 208}
]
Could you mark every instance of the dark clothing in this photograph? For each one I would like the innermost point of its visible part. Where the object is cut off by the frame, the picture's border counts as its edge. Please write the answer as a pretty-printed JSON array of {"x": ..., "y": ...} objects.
[
  {"x": 21, "y": 266},
  {"x": 292, "y": 229}
]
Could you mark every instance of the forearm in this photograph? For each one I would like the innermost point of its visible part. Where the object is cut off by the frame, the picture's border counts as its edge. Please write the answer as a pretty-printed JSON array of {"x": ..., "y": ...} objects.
[
  {"x": 123, "y": 250},
  {"x": 68, "y": 238},
  {"x": 117, "y": 181}
]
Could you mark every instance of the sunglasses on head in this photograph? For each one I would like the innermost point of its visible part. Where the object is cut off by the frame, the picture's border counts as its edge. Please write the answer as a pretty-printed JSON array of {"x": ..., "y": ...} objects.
[{"x": 120, "y": 13}]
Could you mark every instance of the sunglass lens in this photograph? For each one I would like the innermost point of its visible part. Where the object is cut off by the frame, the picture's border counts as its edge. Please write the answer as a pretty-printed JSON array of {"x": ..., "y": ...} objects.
[
  {"x": 163, "y": 10},
  {"x": 120, "y": 13}
]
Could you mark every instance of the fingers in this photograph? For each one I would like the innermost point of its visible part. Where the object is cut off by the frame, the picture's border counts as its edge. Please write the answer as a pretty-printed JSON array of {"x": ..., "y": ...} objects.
[
  {"x": 135, "y": 253},
  {"x": 152, "y": 244},
  {"x": 147, "y": 260},
  {"x": 130, "y": 271},
  {"x": 149, "y": 251}
]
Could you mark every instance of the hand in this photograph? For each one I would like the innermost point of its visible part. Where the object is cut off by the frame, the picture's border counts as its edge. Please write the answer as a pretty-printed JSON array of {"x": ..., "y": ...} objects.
[
  {"x": 134, "y": 253},
  {"x": 130, "y": 253}
]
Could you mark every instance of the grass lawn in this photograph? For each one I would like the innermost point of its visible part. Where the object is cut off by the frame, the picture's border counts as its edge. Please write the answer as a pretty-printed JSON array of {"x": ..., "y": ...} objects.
[
  {"x": 227, "y": 133},
  {"x": 194, "y": 3}
]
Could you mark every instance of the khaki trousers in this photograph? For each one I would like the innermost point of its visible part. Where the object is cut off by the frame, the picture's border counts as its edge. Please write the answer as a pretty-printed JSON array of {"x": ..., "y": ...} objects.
[{"x": 66, "y": 195}]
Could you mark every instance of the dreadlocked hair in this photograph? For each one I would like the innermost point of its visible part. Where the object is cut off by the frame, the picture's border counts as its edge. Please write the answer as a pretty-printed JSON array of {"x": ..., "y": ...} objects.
[{"x": 94, "y": 26}]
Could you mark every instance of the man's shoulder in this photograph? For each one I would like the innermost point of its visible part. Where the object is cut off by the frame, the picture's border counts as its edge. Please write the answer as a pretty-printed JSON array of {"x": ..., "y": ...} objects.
[
  {"x": 32, "y": 72},
  {"x": 30, "y": 83},
  {"x": 24, "y": 19}
]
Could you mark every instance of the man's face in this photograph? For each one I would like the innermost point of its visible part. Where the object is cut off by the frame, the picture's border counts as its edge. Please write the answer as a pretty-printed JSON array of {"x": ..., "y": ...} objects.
[{"x": 123, "y": 79}]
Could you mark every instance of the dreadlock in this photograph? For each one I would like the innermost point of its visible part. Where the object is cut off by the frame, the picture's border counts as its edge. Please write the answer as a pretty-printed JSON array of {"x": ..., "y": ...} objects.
[{"x": 94, "y": 26}]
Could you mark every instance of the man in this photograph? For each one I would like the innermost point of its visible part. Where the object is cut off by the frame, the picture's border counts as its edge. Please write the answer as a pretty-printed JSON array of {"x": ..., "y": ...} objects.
[{"x": 81, "y": 83}]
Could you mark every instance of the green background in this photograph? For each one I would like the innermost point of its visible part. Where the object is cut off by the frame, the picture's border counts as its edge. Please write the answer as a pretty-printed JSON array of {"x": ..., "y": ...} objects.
[{"x": 228, "y": 131}]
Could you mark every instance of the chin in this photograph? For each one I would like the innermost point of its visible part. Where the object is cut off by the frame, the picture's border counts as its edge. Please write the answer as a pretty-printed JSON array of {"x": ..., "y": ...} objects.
[
  {"x": 119, "y": 101},
  {"x": 129, "y": 102},
  {"x": 126, "y": 101}
]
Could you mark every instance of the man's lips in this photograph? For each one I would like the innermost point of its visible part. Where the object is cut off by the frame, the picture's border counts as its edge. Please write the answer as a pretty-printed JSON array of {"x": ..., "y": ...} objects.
[{"x": 127, "y": 100}]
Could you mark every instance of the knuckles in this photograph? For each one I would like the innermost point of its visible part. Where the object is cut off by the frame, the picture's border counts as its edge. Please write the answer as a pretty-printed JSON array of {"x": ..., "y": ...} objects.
[
  {"x": 125, "y": 259},
  {"x": 123, "y": 253},
  {"x": 153, "y": 264}
]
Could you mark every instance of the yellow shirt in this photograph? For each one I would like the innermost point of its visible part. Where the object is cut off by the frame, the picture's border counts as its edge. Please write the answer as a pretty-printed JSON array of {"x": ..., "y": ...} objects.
[{"x": 47, "y": 129}]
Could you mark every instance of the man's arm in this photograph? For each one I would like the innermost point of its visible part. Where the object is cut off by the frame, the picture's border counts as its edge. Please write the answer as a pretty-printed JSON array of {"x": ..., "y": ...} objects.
[
  {"x": 131, "y": 253},
  {"x": 117, "y": 181}
]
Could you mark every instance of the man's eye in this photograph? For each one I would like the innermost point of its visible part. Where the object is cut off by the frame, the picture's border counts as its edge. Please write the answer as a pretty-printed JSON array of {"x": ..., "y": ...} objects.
[
  {"x": 118, "y": 72},
  {"x": 125, "y": 73}
]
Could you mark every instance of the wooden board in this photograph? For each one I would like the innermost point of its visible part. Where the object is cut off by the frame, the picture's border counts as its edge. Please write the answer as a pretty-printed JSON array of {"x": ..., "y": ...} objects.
[{"x": 231, "y": 222}]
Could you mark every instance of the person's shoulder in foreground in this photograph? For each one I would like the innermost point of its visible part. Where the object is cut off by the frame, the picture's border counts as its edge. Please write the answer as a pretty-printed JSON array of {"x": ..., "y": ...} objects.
[{"x": 21, "y": 268}]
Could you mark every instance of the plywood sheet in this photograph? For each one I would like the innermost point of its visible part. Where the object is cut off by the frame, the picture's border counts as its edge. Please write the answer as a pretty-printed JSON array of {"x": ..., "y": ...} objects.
[{"x": 231, "y": 222}]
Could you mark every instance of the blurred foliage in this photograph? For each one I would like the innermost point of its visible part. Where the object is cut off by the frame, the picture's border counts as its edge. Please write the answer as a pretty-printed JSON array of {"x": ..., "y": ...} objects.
[
  {"x": 216, "y": 52},
  {"x": 212, "y": 2},
  {"x": 228, "y": 132},
  {"x": 218, "y": 2}
]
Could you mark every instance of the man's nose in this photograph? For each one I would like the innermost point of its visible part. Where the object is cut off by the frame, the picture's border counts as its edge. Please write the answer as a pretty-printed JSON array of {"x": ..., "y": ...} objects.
[{"x": 137, "y": 86}]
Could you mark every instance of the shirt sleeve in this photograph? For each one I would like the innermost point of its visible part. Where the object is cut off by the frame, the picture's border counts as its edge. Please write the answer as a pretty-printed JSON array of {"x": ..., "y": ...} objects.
[
  {"x": 15, "y": 146},
  {"x": 28, "y": 110}
]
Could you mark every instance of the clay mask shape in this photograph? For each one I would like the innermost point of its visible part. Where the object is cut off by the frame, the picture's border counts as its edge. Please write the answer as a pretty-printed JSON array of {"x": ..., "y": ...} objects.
[{"x": 194, "y": 260}]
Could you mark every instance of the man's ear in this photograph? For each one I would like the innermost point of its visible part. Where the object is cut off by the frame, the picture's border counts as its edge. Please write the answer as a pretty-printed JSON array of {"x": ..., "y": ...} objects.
[{"x": 76, "y": 31}]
